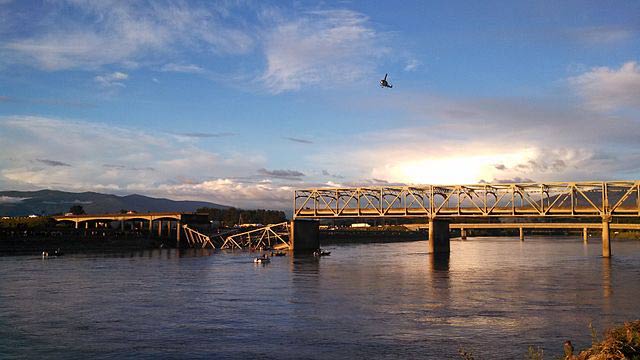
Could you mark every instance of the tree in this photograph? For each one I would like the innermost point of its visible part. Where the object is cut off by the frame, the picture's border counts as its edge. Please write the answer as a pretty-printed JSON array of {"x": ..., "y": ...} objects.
[{"x": 77, "y": 210}]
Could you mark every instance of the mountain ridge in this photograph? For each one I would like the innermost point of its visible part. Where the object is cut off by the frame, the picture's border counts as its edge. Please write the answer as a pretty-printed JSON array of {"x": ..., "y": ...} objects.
[{"x": 48, "y": 202}]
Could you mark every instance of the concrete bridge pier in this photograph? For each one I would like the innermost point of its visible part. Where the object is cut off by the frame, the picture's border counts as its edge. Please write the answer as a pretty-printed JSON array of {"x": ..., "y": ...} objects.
[
  {"x": 463, "y": 234},
  {"x": 304, "y": 236},
  {"x": 606, "y": 245},
  {"x": 439, "y": 236},
  {"x": 178, "y": 228},
  {"x": 521, "y": 234}
]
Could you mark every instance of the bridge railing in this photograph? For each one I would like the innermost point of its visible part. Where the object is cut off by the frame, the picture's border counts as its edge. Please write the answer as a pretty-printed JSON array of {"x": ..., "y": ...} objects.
[{"x": 585, "y": 199}]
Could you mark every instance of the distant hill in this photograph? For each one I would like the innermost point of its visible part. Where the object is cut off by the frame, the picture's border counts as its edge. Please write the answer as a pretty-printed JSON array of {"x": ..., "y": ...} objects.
[{"x": 47, "y": 202}]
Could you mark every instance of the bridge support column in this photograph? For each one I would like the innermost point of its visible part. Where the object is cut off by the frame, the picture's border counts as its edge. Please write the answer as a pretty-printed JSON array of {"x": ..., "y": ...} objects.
[
  {"x": 585, "y": 235},
  {"x": 463, "y": 234},
  {"x": 168, "y": 229},
  {"x": 305, "y": 236},
  {"x": 438, "y": 236},
  {"x": 159, "y": 228},
  {"x": 606, "y": 245},
  {"x": 521, "y": 234},
  {"x": 178, "y": 228}
]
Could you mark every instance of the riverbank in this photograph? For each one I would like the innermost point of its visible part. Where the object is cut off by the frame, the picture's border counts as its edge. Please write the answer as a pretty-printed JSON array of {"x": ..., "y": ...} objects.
[{"x": 77, "y": 241}]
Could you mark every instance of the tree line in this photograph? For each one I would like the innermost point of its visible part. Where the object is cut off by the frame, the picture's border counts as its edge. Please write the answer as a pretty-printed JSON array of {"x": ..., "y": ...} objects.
[{"x": 232, "y": 216}]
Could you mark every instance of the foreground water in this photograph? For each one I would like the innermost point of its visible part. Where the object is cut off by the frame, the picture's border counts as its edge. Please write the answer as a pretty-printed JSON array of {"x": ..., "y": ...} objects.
[{"x": 493, "y": 297}]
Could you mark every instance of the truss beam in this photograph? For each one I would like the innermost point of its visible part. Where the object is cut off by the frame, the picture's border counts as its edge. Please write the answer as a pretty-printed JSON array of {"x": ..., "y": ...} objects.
[{"x": 553, "y": 199}]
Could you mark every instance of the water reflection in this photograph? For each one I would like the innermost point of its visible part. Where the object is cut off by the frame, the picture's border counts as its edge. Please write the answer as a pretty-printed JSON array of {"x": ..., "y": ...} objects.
[
  {"x": 439, "y": 262},
  {"x": 606, "y": 279}
]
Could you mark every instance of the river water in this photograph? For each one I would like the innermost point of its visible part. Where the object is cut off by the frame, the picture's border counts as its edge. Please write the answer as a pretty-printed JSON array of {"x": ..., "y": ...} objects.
[{"x": 492, "y": 297}]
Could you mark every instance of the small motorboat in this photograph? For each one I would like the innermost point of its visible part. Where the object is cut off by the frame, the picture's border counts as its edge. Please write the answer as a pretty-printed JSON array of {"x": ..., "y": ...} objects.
[
  {"x": 56, "y": 253},
  {"x": 264, "y": 259},
  {"x": 321, "y": 252},
  {"x": 278, "y": 253}
]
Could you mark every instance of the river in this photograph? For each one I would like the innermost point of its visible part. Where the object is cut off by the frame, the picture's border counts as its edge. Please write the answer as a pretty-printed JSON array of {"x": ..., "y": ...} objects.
[{"x": 493, "y": 297}]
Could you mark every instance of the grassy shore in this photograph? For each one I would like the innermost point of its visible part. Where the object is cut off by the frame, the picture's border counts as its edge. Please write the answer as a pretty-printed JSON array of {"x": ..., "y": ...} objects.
[{"x": 619, "y": 343}]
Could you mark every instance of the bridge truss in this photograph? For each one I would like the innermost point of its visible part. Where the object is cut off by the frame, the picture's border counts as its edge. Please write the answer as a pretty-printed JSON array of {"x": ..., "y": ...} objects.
[
  {"x": 558, "y": 199},
  {"x": 195, "y": 238},
  {"x": 270, "y": 236}
]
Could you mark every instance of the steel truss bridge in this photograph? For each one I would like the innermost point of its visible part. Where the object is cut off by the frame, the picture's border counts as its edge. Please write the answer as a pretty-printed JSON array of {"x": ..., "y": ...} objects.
[{"x": 554, "y": 199}]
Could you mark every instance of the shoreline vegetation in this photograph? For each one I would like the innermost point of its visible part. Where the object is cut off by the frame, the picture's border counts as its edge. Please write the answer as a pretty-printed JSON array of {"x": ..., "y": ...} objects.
[{"x": 618, "y": 343}]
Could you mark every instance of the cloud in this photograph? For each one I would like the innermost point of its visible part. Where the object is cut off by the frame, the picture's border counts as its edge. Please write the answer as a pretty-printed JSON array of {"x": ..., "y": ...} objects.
[
  {"x": 183, "y": 68},
  {"x": 52, "y": 162},
  {"x": 601, "y": 35},
  {"x": 298, "y": 140},
  {"x": 335, "y": 176},
  {"x": 131, "y": 168},
  {"x": 453, "y": 140},
  {"x": 104, "y": 156},
  {"x": 91, "y": 34},
  {"x": 282, "y": 174},
  {"x": 207, "y": 135},
  {"x": 606, "y": 89},
  {"x": 4, "y": 98},
  {"x": 10, "y": 199},
  {"x": 412, "y": 65},
  {"x": 232, "y": 192},
  {"x": 112, "y": 79},
  {"x": 320, "y": 48}
]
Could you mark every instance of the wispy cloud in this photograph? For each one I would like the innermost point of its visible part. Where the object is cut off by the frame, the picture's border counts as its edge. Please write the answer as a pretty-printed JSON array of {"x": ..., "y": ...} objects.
[
  {"x": 281, "y": 174},
  {"x": 52, "y": 162},
  {"x": 182, "y": 68},
  {"x": 124, "y": 33},
  {"x": 412, "y": 65},
  {"x": 4, "y": 98},
  {"x": 203, "y": 135},
  {"x": 601, "y": 35},
  {"x": 113, "y": 79},
  {"x": 298, "y": 140},
  {"x": 321, "y": 47},
  {"x": 10, "y": 199}
]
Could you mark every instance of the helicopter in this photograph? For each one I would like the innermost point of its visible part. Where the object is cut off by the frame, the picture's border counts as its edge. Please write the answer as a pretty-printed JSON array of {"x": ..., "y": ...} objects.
[{"x": 384, "y": 82}]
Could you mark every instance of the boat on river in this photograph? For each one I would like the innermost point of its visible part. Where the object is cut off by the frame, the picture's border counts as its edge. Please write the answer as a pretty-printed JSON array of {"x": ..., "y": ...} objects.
[{"x": 264, "y": 259}]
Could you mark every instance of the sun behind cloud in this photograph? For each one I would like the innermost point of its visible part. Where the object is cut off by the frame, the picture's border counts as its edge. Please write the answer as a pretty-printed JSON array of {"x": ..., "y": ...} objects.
[{"x": 456, "y": 169}]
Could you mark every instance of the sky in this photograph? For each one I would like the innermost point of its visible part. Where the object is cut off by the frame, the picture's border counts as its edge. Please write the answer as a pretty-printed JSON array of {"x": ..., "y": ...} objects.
[{"x": 241, "y": 102}]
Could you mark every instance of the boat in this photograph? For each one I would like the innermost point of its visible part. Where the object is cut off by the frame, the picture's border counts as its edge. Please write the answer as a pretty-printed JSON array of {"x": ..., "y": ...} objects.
[
  {"x": 56, "y": 253},
  {"x": 321, "y": 252},
  {"x": 278, "y": 253},
  {"x": 264, "y": 259}
]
